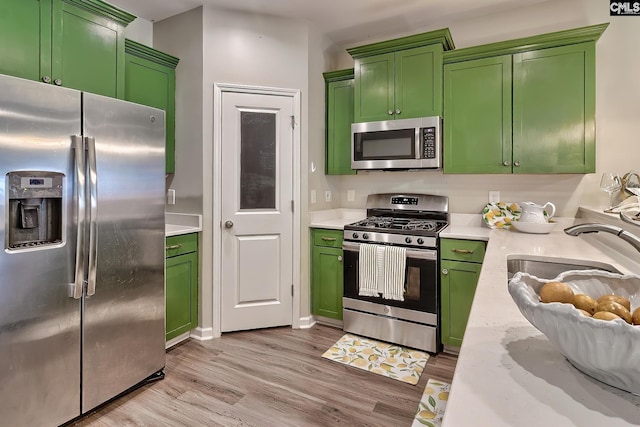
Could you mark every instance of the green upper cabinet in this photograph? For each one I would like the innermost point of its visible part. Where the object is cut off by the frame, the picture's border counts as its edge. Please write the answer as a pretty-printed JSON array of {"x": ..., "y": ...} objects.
[
  {"x": 20, "y": 37},
  {"x": 477, "y": 111},
  {"x": 522, "y": 106},
  {"x": 150, "y": 77},
  {"x": 72, "y": 43},
  {"x": 339, "y": 116},
  {"x": 554, "y": 110},
  {"x": 401, "y": 78}
]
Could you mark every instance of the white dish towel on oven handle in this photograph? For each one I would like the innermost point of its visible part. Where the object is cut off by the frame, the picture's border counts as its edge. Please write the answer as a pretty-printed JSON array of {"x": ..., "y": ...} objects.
[
  {"x": 395, "y": 262},
  {"x": 369, "y": 267}
]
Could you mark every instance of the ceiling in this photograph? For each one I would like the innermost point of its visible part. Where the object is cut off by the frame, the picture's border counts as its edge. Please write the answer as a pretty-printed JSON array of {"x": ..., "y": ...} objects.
[{"x": 342, "y": 21}]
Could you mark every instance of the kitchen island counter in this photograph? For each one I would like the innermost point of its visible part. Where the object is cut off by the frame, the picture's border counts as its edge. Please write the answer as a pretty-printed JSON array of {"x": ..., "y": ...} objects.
[
  {"x": 508, "y": 373},
  {"x": 177, "y": 224}
]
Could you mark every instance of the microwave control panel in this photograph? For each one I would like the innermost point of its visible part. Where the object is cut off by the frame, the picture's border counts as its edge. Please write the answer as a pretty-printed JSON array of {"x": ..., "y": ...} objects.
[{"x": 428, "y": 142}]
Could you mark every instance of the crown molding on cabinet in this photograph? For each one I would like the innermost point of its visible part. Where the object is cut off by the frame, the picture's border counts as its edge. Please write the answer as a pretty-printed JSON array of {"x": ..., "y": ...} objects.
[
  {"x": 104, "y": 9},
  {"x": 542, "y": 41},
  {"x": 146, "y": 52},
  {"x": 335, "y": 76},
  {"x": 442, "y": 36}
]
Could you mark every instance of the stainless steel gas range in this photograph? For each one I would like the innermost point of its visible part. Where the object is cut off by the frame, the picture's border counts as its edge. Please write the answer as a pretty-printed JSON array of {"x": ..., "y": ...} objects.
[{"x": 391, "y": 280}]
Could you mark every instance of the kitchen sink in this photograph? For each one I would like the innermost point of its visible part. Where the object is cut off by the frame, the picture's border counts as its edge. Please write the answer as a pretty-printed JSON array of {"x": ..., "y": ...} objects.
[{"x": 548, "y": 268}]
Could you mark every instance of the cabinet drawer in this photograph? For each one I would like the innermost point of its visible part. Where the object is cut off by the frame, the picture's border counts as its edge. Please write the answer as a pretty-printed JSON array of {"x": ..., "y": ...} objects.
[
  {"x": 329, "y": 238},
  {"x": 178, "y": 245},
  {"x": 462, "y": 250}
]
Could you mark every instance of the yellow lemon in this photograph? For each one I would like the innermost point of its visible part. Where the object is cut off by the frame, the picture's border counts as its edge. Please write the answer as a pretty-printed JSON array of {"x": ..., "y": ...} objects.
[
  {"x": 499, "y": 224},
  {"x": 360, "y": 363},
  {"x": 426, "y": 414},
  {"x": 373, "y": 357},
  {"x": 345, "y": 358},
  {"x": 367, "y": 351},
  {"x": 507, "y": 220},
  {"x": 401, "y": 365},
  {"x": 443, "y": 395},
  {"x": 428, "y": 390},
  {"x": 391, "y": 360},
  {"x": 352, "y": 350},
  {"x": 386, "y": 367}
]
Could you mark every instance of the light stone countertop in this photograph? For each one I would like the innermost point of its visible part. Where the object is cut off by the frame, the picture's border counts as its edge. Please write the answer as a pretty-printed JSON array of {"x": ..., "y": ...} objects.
[
  {"x": 335, "y": 219},
  {"x": 508, "y": 373},
  {"x": 178, "y": 223}
]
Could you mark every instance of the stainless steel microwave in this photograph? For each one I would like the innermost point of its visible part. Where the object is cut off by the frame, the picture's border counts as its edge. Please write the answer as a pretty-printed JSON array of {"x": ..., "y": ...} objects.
[{"x": 397, "y": 144}]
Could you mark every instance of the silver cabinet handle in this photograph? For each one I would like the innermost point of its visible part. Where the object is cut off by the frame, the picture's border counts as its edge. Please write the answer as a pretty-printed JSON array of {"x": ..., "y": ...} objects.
[
  {"x": 340, "y": 258},
  {"x": 506, "y": 163},
  {"x": 46, "y": 79},
  {"x": 462, "y": 251},
  {"x": 329, "y": 239},
  {"x": 445, "y": 271},
  {"x": 93, "y": 215},
  {"x": 516, "y": 163},
  {"x": 228, "y": 224},
  {"x": 398, "y": 111},
  {"x": 78, "y": 147},
  {"x": 58, "y": 82},
  {"x": 390, "y": 112},
  {"x": 168, "y": 248}
]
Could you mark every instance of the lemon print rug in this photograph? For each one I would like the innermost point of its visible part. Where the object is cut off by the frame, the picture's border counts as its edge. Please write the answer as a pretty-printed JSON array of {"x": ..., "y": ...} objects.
[
  {"x": 393, "y": 361},
  {"x": 432, "y": 405}
]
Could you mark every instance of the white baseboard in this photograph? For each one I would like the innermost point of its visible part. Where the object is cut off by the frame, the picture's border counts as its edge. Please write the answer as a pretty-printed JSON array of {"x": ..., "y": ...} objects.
[
  {"x": 176, "y": 340},
  {"x": 202, "y": 334},
  {"x": 307, "y": 322}
]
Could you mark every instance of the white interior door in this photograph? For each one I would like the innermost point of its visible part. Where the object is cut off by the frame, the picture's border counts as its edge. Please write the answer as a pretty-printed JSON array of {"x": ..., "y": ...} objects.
[{"x": 257, "y": 217}]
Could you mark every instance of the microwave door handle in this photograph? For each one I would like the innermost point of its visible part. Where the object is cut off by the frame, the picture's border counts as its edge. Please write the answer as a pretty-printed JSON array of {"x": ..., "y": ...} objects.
[
  {"x": 418, "y": 143},
  {"x": 93, "y": 200},
  {"x": 80, "y": 199}
]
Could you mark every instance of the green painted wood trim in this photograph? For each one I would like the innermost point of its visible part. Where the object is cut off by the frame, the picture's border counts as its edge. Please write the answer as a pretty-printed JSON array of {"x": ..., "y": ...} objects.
[
  {"x": 336, "y": 76},
  {"x": 153, "y": 55},
  {"x": 542, "y": 41},
  {"x": 442, "y": 36},
  {"x": 104, "y": 9}
]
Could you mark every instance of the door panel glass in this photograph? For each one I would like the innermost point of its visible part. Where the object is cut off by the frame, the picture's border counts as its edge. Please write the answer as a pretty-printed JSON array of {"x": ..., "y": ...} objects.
[{"x": 257, "y": 160}]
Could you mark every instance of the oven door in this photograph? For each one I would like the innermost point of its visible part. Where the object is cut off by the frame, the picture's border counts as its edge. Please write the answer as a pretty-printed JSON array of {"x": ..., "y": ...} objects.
[{"x": 421, "y": 290}]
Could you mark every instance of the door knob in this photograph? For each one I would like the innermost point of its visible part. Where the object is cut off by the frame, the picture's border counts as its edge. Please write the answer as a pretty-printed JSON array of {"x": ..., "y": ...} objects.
[{"x": 228, "y": 224}]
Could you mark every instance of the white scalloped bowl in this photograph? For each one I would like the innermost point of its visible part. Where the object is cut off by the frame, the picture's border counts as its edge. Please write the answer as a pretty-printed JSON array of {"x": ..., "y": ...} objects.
[
  {"x": 608, "y": 351},
  {"x": 534, "y": 227}
]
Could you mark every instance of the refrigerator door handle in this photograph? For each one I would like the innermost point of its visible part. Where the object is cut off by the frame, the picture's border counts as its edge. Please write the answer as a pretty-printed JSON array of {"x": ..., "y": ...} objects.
[
  {"x": 80, "y": 196},
  {"x": 93, "y": 214}
]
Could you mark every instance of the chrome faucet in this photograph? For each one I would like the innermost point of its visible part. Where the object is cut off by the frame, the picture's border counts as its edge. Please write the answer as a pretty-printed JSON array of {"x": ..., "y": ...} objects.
[{"x": 630, "y": 238}]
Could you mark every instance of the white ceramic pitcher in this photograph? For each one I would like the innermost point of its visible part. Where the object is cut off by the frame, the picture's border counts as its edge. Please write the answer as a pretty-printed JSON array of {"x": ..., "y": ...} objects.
[{"x": 532, "y": 212}]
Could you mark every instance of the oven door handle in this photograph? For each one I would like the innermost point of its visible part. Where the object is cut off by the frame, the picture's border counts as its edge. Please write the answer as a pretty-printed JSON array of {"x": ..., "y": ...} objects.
[{"x": 429, "y": 254}]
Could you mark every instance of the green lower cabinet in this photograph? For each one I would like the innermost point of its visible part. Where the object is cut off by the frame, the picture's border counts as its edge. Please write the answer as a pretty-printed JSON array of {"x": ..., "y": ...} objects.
[
  {"x": 181, "y": 291},
  {"x": 326, "y": 273},
  {"x": 458, "y": 280},
  {"x": 150, "y": 79},
  {"x": 339, "y": 116}
]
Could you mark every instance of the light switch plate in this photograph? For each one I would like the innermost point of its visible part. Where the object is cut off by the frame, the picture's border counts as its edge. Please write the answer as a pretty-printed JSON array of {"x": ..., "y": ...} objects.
[
  {"x": 327, "y": 196},
  {"x": 171, "y": 196},
  {"x": 351, "y": 195},
  {"x": 313, "y": 196},
  {"x": 494, "y": 196}
]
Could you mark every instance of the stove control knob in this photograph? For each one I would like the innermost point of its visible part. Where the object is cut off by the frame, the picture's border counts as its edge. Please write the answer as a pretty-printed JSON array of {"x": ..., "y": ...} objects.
[
  {"x": 420, "y": 241},
  {"x": 407, "y": 239},
  {"x": 355, "y": 235},
  {"x": 365, "y": 236}
]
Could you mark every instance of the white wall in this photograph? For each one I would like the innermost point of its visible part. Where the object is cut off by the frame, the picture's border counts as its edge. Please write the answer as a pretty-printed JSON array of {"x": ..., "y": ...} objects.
[
  {"x": 617, "y": 112},
  {"x": 141, "y": 31}
]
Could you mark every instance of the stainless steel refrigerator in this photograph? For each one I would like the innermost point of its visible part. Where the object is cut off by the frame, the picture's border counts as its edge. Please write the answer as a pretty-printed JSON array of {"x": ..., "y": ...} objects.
[{"x": 82, "y": 265}]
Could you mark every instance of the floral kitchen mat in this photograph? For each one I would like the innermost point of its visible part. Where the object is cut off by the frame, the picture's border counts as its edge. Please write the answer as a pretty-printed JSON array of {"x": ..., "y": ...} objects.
[
  {"x": 432, "y": 405},
  {"x": 393, "y": 361}
]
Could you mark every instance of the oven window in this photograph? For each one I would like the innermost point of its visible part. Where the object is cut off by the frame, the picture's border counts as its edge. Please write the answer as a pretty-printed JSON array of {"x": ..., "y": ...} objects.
[
  {"x": 385, "y": 145},
  {"x": 412, "y": 284}
]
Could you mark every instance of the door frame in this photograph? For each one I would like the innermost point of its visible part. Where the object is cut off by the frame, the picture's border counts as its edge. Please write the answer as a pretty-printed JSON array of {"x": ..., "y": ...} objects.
[{"x": 216, "y": 225}]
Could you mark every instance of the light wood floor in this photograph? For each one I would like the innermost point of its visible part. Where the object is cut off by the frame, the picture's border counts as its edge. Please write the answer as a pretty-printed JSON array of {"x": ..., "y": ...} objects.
[{"x": 269, "y": 377}]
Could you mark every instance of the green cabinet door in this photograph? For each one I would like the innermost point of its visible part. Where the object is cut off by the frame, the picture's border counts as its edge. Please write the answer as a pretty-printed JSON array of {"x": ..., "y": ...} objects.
[
  {"x": 554, "y": 110},
  {"x": 20, "y": 27},
  {"x": 73, "y": 43},
  {"x": 477, "y": 116},
  {"x": 374, "y": 88},
  {"x": 326, "y": 273},
  {"x": 418, "y": 82},
  {"x": 339, "y": 116},
  {"x": 181, "y": 289},
  {"x": 327, "y": 282},
  {"x": 399, "y": 85},
  {"x": 458, "y": 282},
  {"x": 150, "y": 80}
]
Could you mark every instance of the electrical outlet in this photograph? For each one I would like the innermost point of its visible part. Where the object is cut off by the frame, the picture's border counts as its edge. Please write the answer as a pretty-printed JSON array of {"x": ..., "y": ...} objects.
[
  {"x": 171, "y": 196},
  {"x": 494, "y": 196},
  {"x": 351, "y": 195},
  {"x": 313, "y": 197},
  {"x": 327, "y": 196}
]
